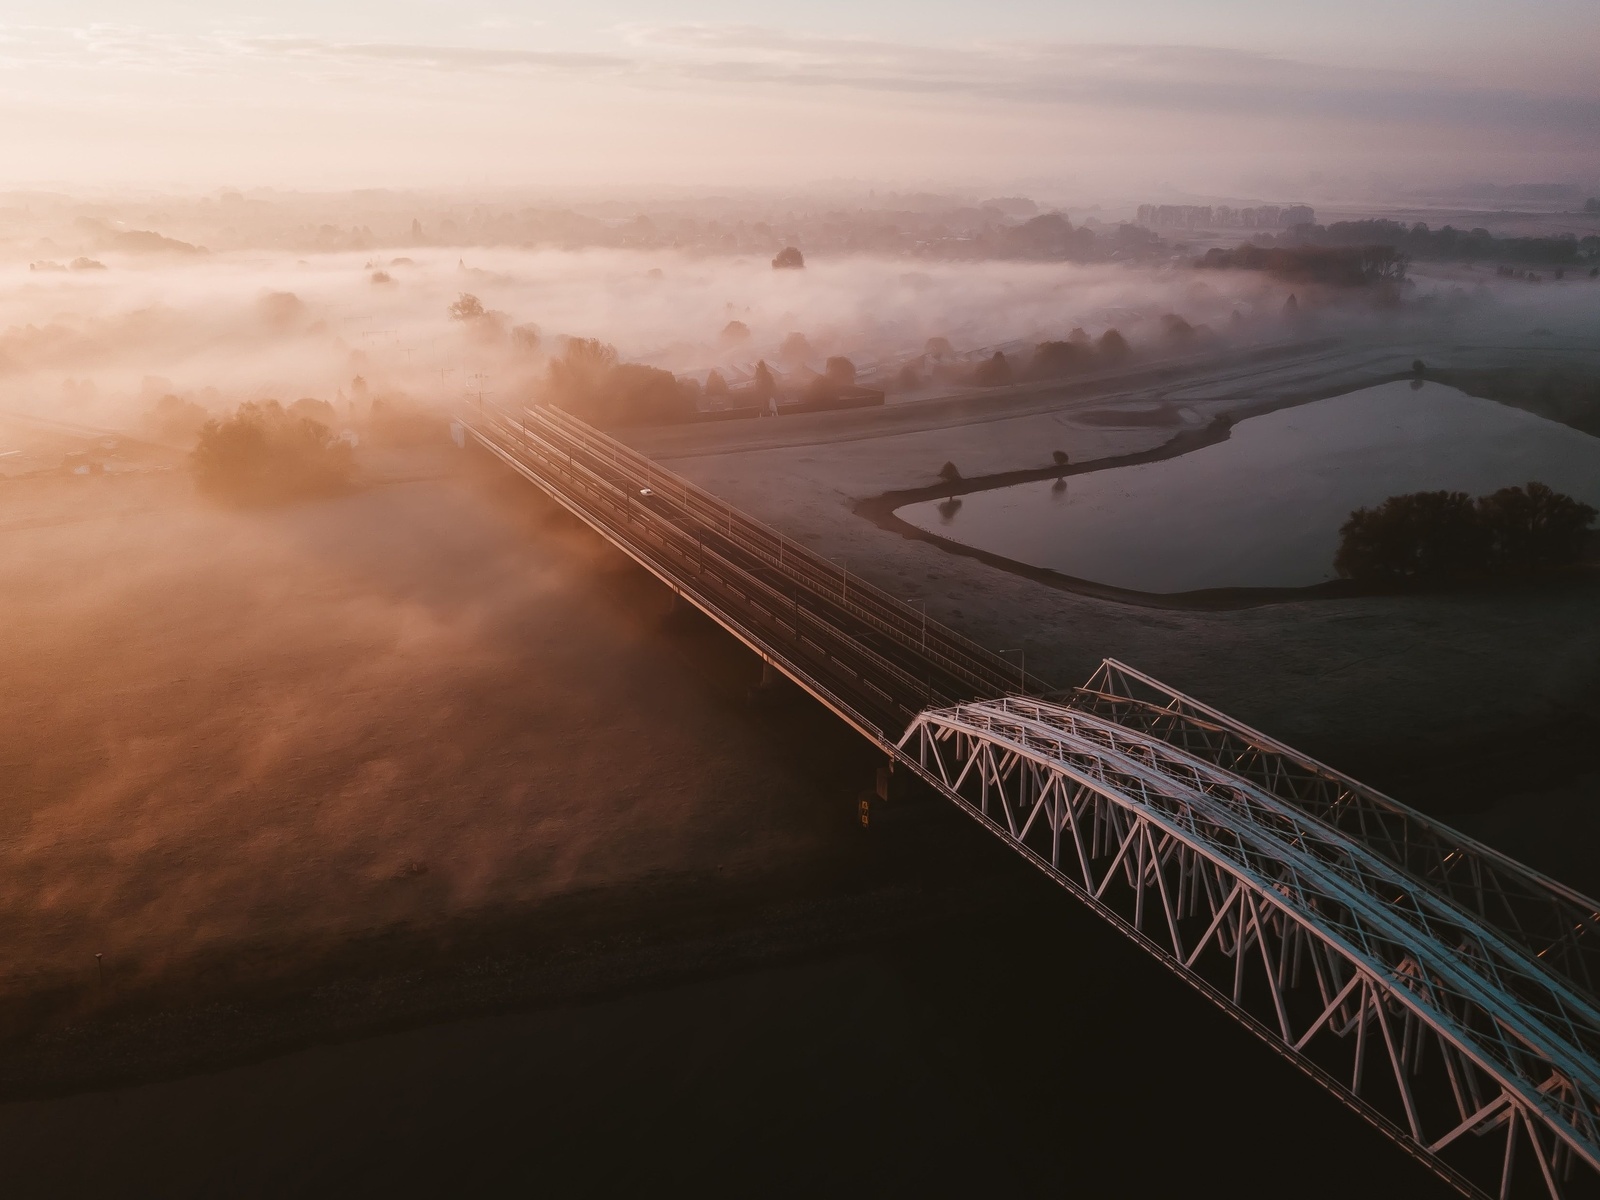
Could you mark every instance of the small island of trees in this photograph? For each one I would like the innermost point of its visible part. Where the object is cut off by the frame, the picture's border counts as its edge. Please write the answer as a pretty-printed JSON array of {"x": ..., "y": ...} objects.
[{"x": 1434, "y": 537}]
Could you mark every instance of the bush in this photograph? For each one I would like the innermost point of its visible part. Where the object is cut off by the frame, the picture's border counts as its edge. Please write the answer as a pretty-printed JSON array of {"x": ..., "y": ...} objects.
[
  {"x": 1431, "y": 536},
  {"x": 263, "y": 454},
  {"x": 1113, "y": 346},
  {"x": 789, "y": 259}
]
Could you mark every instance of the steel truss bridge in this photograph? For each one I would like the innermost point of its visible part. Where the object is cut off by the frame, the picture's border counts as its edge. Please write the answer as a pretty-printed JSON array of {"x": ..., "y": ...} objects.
[{"x": 1441, "y": 990}]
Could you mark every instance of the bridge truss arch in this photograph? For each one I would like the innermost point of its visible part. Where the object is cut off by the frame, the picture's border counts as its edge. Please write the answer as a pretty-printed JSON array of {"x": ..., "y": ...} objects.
[{"x": 1463, "y": 1035}]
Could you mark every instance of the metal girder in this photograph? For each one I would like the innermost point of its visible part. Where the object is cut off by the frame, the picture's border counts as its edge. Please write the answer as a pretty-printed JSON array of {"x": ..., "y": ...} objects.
[
  {"x": 1324, "y": 945},
  {"x": 1561, "y": 926}
]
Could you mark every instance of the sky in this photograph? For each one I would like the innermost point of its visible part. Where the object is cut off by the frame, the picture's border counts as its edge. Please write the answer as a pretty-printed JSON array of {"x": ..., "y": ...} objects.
[{"x": 1233, "y": 96}]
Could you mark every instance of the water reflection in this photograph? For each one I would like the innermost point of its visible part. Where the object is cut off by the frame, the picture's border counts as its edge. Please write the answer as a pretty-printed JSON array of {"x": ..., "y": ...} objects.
[{"x": 1263, "y": 509}]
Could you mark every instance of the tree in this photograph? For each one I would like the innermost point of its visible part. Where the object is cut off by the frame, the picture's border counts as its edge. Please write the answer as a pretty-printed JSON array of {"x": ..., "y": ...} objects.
[
  {"x": 1057, "y": 358},
  {"x": 840, "y": 372},
  {"x": 950, "y": 473},
  {"x": 467, "y": 307},
  {"x": 716, "y": 385},
  {"x": 263, "y": 454},
  {"x": 763, "y": 384},
  {"x": 1421, "y": 536},
  {"x": 1533, "y": 528},
  {"x": 789, "y": 259},
  {"x": 587, "y": 379},
  {"x": 1060, "y": 457},
  {"x": 734, "y": 332},
  {"x": 311, "y": 409},
  {"x": 938, "y": 347},
  {"x": 795, "y": 349},
  {"x": 1113, "y": 346},
  {"x": 1176, "y": 330},
  {"x": 993, "y": 372}
]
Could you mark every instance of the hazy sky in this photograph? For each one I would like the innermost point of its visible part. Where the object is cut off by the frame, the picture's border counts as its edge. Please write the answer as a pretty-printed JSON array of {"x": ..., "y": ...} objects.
[{"x": 1246, "y": 94}]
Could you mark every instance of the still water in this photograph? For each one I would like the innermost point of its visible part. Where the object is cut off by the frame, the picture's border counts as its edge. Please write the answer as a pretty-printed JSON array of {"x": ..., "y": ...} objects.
[{"x": 1263, "y": 508}]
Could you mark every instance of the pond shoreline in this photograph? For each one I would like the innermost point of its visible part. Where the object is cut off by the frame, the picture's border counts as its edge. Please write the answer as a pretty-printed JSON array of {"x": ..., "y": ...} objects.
[{"x": 881, "y": 510}]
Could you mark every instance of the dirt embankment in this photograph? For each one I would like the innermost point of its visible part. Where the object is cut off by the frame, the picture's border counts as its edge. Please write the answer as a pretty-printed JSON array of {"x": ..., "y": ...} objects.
[{"x": 1569, "y": 394}]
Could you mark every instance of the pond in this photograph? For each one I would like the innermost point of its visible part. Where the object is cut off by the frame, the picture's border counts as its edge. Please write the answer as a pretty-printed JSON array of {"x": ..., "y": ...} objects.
[{"x": 1263, "y": 509}]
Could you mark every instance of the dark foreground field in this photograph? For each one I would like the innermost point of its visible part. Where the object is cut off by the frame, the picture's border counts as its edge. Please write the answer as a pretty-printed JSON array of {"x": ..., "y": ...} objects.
[{"x": 426, "y": 852}]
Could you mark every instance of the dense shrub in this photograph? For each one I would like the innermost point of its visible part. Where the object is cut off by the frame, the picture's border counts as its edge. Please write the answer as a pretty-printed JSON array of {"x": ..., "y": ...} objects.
[
  {"x": 263, "y": 454},
  {"x": 1428, "y": 536}
]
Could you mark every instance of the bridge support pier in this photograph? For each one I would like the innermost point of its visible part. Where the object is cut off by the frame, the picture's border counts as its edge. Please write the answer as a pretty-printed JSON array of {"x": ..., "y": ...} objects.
[
  {"x": 893, "y": 797},
  {"x": 773, "y": 687}
]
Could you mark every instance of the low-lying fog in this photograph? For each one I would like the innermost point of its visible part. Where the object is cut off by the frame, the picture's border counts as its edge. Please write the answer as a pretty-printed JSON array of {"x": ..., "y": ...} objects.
[{"x": 99, "y": 345}]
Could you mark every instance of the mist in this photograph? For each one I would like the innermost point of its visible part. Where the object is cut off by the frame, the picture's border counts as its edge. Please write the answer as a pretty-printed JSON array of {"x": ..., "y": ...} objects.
[{"x": 100, "y": 347}]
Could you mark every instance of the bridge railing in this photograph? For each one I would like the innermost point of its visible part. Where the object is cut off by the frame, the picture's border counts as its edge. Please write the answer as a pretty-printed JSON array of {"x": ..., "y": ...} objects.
[
  {"x": 986, "y": 672},
  {"x": 798, "y": 640}
]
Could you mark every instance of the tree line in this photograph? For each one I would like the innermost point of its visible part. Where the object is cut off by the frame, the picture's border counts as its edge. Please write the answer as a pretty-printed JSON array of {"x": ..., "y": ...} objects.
[{"x": 1449, "y": 243}]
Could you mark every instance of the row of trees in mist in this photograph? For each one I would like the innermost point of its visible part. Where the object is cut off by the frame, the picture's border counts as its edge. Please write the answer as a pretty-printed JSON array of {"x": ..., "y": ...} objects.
[
  {"x": 1426, "y": 537},
  {"x": 1448, "y": 243},
  {"x": 1356, "y": 266}
]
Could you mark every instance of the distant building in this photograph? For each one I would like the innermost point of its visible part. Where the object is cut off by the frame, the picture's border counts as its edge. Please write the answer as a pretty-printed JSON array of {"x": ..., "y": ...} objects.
[{"x": 1200, "y": 216}]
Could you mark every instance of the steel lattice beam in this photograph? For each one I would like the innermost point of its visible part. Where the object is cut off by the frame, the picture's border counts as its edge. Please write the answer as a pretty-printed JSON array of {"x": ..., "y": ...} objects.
[{"x": 1323, "y": 944}]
